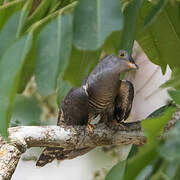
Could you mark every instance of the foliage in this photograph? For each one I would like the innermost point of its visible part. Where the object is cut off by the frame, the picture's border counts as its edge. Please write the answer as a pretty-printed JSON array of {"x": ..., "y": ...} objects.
[
  {"x": 153, "y": 127},
  {"x": 59, "y": 42},
  {"x": 26, "y": 111},
  {"x": 94, "y": 21}
]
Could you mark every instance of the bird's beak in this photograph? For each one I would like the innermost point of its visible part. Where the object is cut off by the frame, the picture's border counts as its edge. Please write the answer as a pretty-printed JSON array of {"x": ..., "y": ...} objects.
[{"x": 133, "y": 65}]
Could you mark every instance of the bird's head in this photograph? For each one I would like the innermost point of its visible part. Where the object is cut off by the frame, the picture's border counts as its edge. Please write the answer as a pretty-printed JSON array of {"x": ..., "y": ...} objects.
[{"x": 127, "y": 62}]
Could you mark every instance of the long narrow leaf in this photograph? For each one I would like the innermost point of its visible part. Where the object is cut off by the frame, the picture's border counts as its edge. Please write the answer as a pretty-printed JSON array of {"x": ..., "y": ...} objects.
[
  {"x": 128, "y": 33},
  {"x": 94, "y": 21},
  {"x": 161, "y": 40},
  {"x": 36, "y": 28},
  {"x": 11, "y": 30},
  {"x": 117, "y": 172},
  {"x": 8, "y": 9},
  {"x": 28, "y": 67},
  {"x": 112, "y": 43},
  {"x": 154, "y": 12},
  {"x": 26, "y": 111},
  {"x": 175, "y": 95},
  {"x": 39, "y": 13},
  {"x": 80, "y": 63},
  {"x": 130, "y": 169},
  {"x": 10, "y": 68},
  {"x": 54, "y": 46}
]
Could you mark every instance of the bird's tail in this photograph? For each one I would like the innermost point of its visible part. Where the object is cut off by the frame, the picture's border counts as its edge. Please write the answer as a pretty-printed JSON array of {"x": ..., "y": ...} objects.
[
  {"x": 51, "y": 153},
  {"x": 48, "y": 155}
]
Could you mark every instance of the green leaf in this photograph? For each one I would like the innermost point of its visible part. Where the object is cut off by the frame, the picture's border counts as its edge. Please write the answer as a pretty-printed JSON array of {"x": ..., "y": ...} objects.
[
  {"x": 54, "y": 4},
  {"x": 117, "y": 172},
  {"x": 63, "y": 89},
  {"x": 8, "y": 9},
  {"x": 39, "y": 13},
  {"x": 155, "y": 165},
  {"x": 94, "y": 21},
  {"x": 28, "y": 67},
  {"x": 146, "y": 39},
  {"x": 36, "y": 28},
  {"x": 153, "y": 127},
  {"x": 154, "y": 12},
  {"x": 128, "y": 32},
  {"x": 11, "y": 30},
  {"x": 10, "y": 69},
  {"x": 80, "y": 64},
  {"x": 160, "y": 171},
  {"x": 172, "y": 167},
  {"x": 177, "y": 173},
  {"x": 112, "y": 43},
  {"x": 30, "y": 62},
  {"x": 144, "y": 174},
  {"x": 65, "y": 3},
  {"x": 174, "y": 81},
  {"x": 160, "y": 111},
  {"x": 133, "y": 151},
  {"x": 175, "y": 95},
  {"x": 170, "y": 149},
  {"x": 161, "y": 41},
  {"x": 26, "y": 111},
  {"x": 54, "y": 46},
  {"x": 124, "y": 39},
  {"x": 160, "y": 176},
  {"x": 134, "y": 165}
]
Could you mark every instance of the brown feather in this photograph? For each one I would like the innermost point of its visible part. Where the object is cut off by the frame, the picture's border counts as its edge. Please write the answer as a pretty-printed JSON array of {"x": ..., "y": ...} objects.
[{"x": 124, "y": 100}]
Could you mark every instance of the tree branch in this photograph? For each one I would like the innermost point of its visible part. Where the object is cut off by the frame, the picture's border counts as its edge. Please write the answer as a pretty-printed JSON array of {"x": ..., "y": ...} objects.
[
  {"x": 69, "y": 137},
  {"x": 75, "y": 137},
  {"x": 9, "y": 158}
]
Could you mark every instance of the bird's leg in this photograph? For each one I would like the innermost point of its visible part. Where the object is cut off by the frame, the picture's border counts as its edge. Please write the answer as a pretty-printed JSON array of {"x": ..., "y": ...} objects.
[
  {"x": 123, "y": 126},
  {"x": 91, "y": 127},
  {"x": 118, "y": 124}
]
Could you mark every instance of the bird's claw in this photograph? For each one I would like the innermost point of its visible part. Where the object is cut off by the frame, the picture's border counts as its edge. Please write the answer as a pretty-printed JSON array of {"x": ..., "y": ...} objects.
[
  {"x": 123, "y": 126},
  {"x": 119, "y": 124},
  {"x": 91, "y": 127}
]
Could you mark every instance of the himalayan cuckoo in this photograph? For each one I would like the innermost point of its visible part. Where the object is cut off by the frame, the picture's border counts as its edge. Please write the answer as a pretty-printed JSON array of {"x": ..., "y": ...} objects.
[{"x": 101, "y": 95}]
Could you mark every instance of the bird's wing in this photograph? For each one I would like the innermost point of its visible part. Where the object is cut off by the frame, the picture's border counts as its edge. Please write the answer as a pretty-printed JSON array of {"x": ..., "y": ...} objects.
[
  {"x": 123, "y": 101},
  {"x": 60, "y": 120},
  {"x": 74, "y": 108}
]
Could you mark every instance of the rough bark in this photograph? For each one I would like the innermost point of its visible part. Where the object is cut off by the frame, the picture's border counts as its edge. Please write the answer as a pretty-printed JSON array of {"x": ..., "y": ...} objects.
[
  {"x": 75, "y": 137},
  {"x": 9, "y": 157}
]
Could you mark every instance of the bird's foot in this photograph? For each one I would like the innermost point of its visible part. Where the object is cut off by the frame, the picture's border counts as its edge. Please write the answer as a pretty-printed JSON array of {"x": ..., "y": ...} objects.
[
  {"x": 119, "y": 124},
  {"x": 91, "y": 127},
  {"x": 123, "y": 126}
]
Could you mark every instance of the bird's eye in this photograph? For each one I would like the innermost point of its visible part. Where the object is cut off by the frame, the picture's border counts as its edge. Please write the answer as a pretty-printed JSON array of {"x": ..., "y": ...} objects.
[{"x": 122, "y": 55}]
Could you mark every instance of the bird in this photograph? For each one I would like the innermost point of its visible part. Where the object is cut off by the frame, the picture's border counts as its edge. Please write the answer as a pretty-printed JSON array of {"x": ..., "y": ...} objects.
[
  {"x": 101, "y": 94},
  {"x": 108, "y": 96}
]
